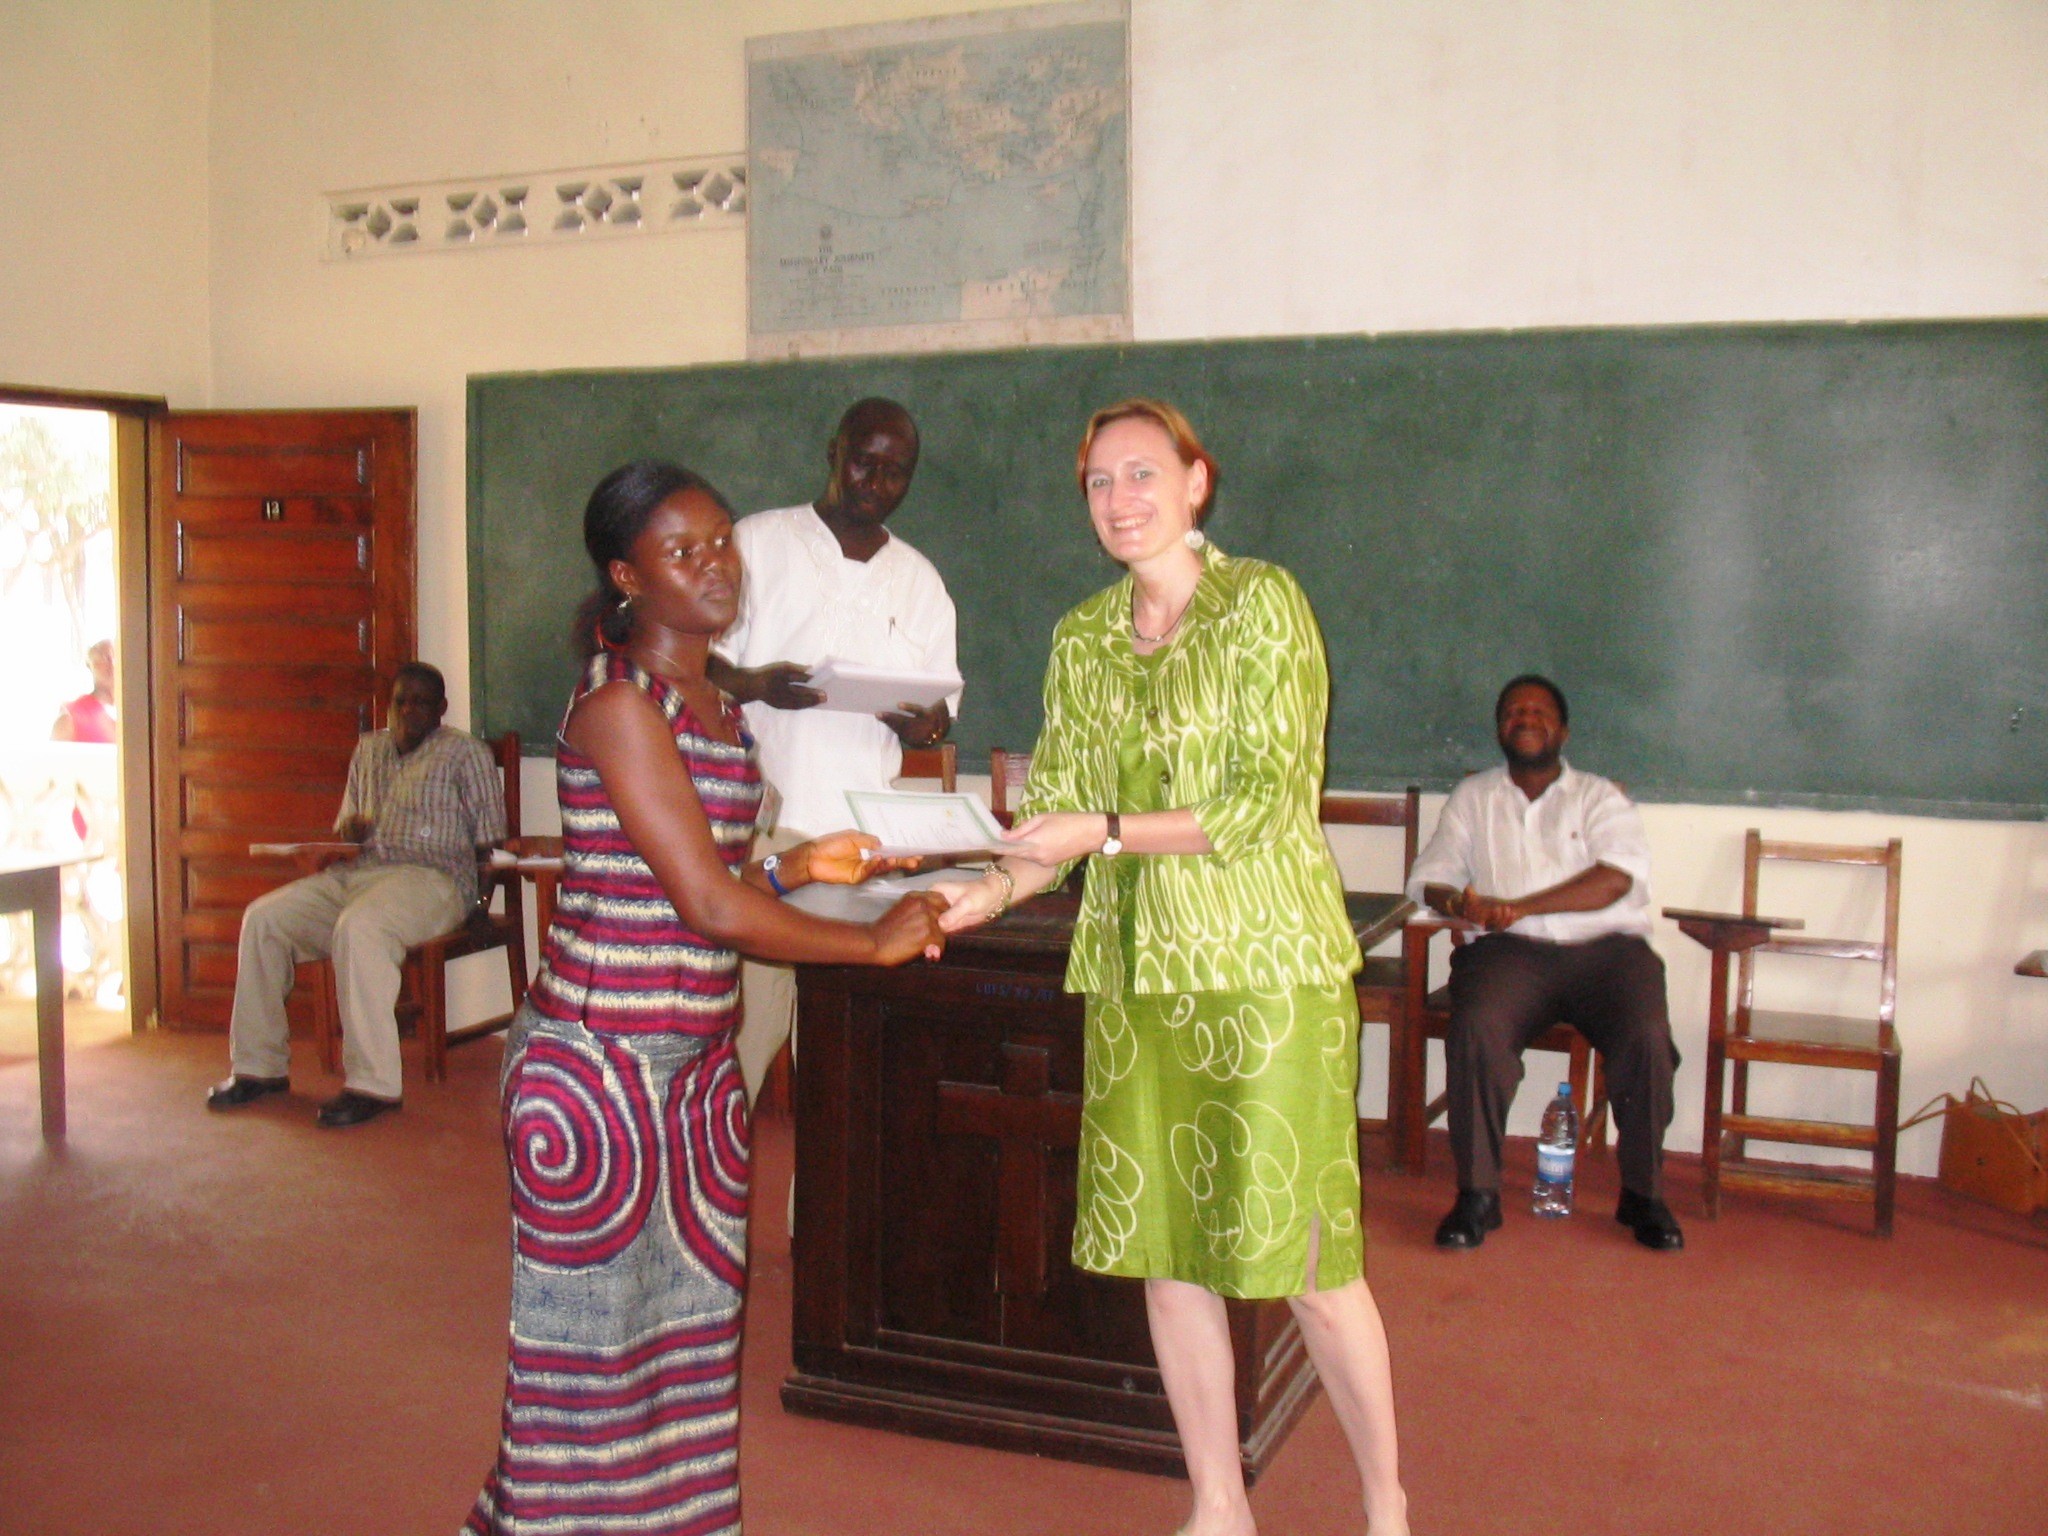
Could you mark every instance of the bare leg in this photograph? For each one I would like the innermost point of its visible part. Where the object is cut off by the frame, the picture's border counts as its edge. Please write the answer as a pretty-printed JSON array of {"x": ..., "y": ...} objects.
[
  {"x": 1191, "y": 1337},
  {"x": 1348, "y": 1344}
]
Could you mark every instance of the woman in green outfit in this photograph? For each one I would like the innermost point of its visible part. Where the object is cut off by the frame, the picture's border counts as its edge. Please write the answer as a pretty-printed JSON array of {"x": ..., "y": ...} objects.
[{"x": 1183, "y": 754}]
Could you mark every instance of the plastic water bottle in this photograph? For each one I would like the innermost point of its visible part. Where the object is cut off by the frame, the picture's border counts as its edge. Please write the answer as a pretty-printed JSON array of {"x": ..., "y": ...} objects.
[{"x": 1556, "y": 1148}]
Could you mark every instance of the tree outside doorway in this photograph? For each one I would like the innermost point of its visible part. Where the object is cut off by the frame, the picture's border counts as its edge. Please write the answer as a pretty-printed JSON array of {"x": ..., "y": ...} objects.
[{"x": 59, "y": 771}]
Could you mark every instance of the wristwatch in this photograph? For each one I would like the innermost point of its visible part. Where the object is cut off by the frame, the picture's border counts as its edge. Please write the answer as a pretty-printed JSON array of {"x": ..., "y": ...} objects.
[
  {"x": 768, "y": 867},
  {"x": 1114, "y": 843}
]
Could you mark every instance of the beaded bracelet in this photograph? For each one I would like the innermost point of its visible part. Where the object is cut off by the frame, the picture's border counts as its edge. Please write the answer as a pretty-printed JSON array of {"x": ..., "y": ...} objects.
[{"x": 1009, "y": 890}]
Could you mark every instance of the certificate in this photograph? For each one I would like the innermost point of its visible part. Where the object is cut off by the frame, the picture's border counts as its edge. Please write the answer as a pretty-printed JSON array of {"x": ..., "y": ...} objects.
[
  {"x": 925, "y": 826},
  {"x": 863, "y": 690}
]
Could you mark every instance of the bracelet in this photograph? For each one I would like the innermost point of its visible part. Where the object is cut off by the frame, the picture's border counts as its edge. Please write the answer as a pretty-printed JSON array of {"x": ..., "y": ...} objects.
[
  {"x": 1009, "y": 890},
  {"x": 768, "y": 867}
]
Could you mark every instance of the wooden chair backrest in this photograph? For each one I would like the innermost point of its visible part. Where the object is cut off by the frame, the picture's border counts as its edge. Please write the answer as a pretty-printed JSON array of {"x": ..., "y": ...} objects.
[
  {"x": 1345, "y": 809},
  {"x": 1756, "y": 849},
  {"x": 506, "y": 750},
  {"x": 1007, "y": 773},
  {"x": 941, "y": 762}
]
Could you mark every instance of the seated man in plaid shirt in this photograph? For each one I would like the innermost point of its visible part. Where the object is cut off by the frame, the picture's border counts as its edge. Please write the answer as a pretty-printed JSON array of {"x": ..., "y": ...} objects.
[{"x": 422, "y": 800}]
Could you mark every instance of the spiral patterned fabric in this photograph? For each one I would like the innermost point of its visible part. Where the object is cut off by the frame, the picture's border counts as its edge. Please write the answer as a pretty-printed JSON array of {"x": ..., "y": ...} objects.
[
  {"x": 629, "y": 1197},
  {"x": 708, "y": 1136},
  {"x": 627, "y": 1140},
  {"x": 580, "y": 1138}
]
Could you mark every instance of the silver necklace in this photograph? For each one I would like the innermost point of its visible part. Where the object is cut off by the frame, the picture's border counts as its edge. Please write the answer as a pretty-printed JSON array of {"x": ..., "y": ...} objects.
[{"x": 1165, "y": 634}]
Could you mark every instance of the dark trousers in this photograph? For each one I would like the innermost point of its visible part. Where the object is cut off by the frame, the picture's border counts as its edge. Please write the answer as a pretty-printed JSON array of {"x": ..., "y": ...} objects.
[{"x": 1506, "y": 990}]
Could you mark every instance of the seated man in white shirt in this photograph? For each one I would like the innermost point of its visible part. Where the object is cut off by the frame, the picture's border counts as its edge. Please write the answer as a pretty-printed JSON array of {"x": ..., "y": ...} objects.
[
  {"x": 422, "y": 801},
  {"x": 1553, "y": 864},
  {"x": 829, "y": 580}
]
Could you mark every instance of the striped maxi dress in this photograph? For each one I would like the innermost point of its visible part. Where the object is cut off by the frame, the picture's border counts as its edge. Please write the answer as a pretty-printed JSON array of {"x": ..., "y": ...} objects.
[{"x": 627, "y": 1137}]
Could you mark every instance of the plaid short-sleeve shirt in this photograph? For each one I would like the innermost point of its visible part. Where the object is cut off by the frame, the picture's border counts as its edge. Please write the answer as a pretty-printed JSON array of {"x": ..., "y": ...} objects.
[{"x": 435, "y": 806}]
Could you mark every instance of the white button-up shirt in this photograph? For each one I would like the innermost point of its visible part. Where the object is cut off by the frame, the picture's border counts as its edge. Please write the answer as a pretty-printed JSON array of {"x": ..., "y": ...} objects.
[
  {"x": 803, "y": 601},
  {"x": 1496, "y": 839}
]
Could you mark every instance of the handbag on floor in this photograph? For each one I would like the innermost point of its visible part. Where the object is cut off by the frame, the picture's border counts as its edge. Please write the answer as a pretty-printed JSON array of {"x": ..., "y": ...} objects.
[{"x": 1989, "y": 1150}]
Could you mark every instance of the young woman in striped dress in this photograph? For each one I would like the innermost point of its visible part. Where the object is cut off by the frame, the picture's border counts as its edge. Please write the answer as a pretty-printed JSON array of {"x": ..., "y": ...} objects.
[{"x": 625, "y": 1116}]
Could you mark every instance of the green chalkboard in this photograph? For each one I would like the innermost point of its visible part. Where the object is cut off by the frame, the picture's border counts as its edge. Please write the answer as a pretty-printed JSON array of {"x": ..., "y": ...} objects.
[{"x": 1789, "y": 565}]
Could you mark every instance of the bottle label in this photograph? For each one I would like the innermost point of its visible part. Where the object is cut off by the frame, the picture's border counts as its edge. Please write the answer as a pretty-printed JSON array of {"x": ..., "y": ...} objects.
[{"x": 1554, "y": 1164}]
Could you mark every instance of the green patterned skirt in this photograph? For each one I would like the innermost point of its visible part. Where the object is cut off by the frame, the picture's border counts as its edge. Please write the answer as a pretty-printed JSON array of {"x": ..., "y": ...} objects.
[{"x": 1217, "y": 1129}]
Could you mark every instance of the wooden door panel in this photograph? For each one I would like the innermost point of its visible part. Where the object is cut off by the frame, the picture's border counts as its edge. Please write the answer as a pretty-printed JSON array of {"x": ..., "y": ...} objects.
[
  {"x": 327, "y": 640},
  {"x": 339, "y": 556},
  {"x": 207, "y": 967},
  {"x": 282, "y": 602},
  {"x": 228, "y": 884},
  {"x": 273, "y": 470},
  {"x": 261, "y": 812},
  {"x": 328, "y": 727}
]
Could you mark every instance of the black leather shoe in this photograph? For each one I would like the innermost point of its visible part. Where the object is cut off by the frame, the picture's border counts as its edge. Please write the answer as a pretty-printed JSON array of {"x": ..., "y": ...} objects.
[
  {"x": 234, "y": 1092},
  {"x": 351, "y": 1108},
  {"x": 1651, "y": 1221},
  {"x": 1476, "y": 1214}
]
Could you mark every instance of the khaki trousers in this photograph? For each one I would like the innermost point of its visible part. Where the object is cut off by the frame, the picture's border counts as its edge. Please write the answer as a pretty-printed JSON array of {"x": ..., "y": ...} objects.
[
  {"x": 364, "y": 920},
  {"x": 767, "y": 995}
]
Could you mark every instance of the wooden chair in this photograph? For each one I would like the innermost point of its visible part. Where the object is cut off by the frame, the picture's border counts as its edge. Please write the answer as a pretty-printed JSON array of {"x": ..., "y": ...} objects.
[
  {"x": 941, "y": 762},
  {"x": 1845, "y": 1043},
  {"x": 423, "y": 976},
  {"x": 1382, "y": 982},
  {"x": 1426, "y": 1016},
  {"x": 1007, "y": 774}
]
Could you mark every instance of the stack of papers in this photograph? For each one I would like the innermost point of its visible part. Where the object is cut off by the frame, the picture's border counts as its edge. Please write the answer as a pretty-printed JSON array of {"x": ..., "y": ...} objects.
[{"x": 863, "y": 690}]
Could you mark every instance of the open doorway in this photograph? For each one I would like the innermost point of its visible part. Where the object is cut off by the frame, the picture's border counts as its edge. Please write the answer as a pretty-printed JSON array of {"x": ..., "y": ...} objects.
[{"x": 60, "y": 705}]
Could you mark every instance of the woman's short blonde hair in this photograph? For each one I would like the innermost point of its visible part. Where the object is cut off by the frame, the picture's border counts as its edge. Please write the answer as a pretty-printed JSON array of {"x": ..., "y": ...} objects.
[{"x": 1168, "y": 420}]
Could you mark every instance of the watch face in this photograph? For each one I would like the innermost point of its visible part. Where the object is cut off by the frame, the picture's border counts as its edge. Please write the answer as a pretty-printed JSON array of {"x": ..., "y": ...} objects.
[{"x": 1113, "y": 846}]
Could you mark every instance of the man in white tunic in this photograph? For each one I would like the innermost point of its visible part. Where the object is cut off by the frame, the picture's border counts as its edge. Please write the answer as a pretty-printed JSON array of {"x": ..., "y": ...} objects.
[
  {"x": 828, "y": 580},
  {"x": 1553, "y": 864},
  {"x": 422, "y": 800}
]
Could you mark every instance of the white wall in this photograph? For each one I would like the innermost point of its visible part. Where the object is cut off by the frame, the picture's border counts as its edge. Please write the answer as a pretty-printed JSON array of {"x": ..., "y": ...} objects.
[
  {"x": 1300, "y": 166},
  {"x": 103, "y": 184},
  {"x": 314, "y": 96},
  {"x": 1409, "y": 165}
]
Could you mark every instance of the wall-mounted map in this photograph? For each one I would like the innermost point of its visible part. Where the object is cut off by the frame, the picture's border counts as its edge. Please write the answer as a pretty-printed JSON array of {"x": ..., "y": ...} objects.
[{"x": 959, "y": 181}]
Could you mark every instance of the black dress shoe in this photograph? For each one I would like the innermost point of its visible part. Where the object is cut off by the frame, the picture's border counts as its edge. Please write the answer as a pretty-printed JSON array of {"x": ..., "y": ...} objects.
[
  {"x": 351, "y": 1108},
  {"x": 1651, "y": 1221},
  {"x": 234, "y": 1092},
  {"x": 1476, "y": 1214}
]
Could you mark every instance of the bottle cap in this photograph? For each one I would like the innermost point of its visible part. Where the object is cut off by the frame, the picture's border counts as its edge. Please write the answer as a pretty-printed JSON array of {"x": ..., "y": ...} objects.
[{"x": 1565, "y": 1089}]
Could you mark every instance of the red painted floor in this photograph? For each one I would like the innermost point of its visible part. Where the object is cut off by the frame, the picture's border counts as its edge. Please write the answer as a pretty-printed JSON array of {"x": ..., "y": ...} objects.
[{"x": 243, "y": 1324}]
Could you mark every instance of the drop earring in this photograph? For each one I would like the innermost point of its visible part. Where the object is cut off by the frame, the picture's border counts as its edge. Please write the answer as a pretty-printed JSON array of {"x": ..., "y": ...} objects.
[{"x": 1194, "y": 538}]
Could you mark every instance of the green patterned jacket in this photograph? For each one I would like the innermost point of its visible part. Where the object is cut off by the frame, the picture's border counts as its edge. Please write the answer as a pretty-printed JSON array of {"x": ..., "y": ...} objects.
[{"x": 1240, "y": 702}]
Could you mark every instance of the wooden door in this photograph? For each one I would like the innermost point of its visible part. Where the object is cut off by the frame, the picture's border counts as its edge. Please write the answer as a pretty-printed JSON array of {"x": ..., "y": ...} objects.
[{"x": 281, "y": 602}]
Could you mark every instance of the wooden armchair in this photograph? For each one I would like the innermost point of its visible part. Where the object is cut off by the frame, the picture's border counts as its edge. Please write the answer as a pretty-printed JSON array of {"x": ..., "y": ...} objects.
[
  {"x": 1855, "y": 1044},
  {"x": 1382, "y": 982},
  {"x": 423, "y": 976},
  {"x": 941, "y": 762},
  {"x": 1007, "y": 774},
  {"x": 1426, "y": 1016}
]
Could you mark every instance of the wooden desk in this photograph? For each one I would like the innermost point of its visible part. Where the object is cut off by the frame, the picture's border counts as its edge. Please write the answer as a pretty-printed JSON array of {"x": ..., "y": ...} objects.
[
  {"x": 1724, "y": 934},
  {"x": 29, "y": 883},
  {"x": 539, "y": 859},
  {"x": 938, "y": 1107}
]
